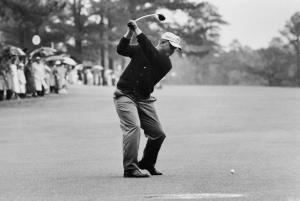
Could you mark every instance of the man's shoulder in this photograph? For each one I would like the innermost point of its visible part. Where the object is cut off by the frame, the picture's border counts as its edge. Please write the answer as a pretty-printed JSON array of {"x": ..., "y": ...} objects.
[{"x": 137, "y": 49}]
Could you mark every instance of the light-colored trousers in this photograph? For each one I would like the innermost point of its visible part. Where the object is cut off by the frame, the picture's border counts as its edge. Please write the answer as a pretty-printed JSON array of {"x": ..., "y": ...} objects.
[{"x": 134, "y": 115}]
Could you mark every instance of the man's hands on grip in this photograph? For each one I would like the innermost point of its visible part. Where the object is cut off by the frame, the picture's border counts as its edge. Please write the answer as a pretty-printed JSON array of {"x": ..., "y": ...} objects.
[{"x": 132, "y": 25}]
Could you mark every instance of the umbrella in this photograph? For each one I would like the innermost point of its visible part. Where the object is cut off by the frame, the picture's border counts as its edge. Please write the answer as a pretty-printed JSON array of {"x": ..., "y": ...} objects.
[
  {"x": 12, "y": 51},
  {"x": 69, "y": 61},
  {"x": 55, "y": 58},
  {"x": 79, "y": 67},
  {"x": 43, "y": 51},
  {"x": 63, "y": 58},
  {"x": 98, "y": 67}
]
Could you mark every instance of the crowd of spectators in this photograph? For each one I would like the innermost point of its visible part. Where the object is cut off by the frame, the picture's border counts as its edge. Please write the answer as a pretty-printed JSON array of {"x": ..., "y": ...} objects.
[
  {"x": 22, "y": 76},
  {"x": 97, "y": 75}
]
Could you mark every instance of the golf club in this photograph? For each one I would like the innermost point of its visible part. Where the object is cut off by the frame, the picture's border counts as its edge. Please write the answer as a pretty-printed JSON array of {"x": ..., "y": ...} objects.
[{"x": 160, "y": 17}]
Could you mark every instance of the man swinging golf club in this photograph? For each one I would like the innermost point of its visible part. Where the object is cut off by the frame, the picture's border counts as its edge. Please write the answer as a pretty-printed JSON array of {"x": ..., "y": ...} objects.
[{"x": 133, "y": 101}]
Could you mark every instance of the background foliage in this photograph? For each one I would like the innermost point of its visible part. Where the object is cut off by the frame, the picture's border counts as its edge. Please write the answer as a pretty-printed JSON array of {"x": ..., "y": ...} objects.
[{"x": 90, "y": 29}]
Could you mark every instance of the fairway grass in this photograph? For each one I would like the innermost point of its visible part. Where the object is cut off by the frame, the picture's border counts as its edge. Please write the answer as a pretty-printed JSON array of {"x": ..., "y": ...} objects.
[{"x": 68, "y": 147}]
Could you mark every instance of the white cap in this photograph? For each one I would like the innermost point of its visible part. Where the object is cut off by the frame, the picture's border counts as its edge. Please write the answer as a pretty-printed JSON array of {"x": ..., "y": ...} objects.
[{"x": 172, "y": 38}]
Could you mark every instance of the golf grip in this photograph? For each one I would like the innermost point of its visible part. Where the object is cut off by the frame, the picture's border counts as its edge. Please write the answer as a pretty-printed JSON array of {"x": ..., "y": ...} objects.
[{"x": 130, "y": 26}]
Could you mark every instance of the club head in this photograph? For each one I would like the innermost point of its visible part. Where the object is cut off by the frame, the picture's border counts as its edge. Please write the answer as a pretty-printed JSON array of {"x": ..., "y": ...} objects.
[{"x": 161, "y": 17}]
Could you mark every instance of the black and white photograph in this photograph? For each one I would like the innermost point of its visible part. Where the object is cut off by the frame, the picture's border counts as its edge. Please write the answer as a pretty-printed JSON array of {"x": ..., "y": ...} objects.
[{"x": 149, "y": 100}]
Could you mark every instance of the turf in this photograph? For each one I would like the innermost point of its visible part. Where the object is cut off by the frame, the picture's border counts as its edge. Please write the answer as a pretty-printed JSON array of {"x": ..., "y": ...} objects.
[{"x": 68, "y": 147}]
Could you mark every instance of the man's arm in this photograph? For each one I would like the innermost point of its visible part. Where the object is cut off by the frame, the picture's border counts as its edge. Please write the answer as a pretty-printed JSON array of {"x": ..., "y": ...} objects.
[
  {"x": 128, "y": 34},
  {"x": 124, "y": 48},
  {"x": 149, "y": 50}
]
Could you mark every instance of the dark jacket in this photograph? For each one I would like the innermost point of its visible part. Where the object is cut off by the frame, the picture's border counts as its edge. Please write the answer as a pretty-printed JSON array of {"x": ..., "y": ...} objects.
[{"x": 146, "y": 68}]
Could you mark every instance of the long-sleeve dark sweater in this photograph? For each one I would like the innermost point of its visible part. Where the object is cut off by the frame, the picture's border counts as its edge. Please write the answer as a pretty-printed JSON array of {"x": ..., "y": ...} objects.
[{"x": 146, "y": 68}]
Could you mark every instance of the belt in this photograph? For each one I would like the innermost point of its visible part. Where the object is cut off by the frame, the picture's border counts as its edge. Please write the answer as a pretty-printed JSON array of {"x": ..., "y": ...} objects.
[{"x": 133, "y": 95}]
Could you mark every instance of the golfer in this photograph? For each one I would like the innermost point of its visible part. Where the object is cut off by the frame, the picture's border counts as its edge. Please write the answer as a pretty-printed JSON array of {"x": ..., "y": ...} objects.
[{"x": 133, "y": 101}]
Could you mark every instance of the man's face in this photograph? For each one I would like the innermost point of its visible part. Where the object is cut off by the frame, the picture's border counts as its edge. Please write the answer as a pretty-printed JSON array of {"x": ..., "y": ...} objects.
[{"x": 167, "y": 48}]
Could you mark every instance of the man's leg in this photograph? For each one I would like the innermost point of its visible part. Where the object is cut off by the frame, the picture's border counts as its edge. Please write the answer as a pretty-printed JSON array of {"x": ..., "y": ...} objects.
[
  {"x": 153, "y": 130},
  {"x": 130, "y": 125}
]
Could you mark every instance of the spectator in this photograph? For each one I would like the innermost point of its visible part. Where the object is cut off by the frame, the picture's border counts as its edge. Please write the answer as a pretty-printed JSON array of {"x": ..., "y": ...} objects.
[
  {"x": 54, "y": 79},
  {"x": 13, "y": 75},
  {"x": 48, "y": 73},
  {"x": 88, "y": 76},
  {"x": 7, "y": 77},
  {"x": 108, "y": 77},
  {"x": 61, "y": 72},
  {"x": 72, "y": 76},
  {"x": 29, "y": 75},
  {"x": 2, "y": 81},
  {"x": 79, "y": 71},
  {"x": 113, "y": 78},
  {"x": 22, "y": 80},
  {"x": 39, "y": 70},
  {"x": 96, "y": 71}
]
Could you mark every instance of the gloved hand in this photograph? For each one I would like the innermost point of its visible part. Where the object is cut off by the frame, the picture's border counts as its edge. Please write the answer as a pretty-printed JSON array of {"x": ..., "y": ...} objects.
[{"x": 132, "y": 25}]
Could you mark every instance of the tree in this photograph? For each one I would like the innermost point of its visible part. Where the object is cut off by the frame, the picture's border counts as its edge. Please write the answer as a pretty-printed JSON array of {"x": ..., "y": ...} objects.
[
  {"x": 72, "y": 23},
  {"x": 110, "y": 14},
  {"x": 292, "y": 33},
  {"x": 277, "y": 65},
  {"x": 23, "y": 19},
  {"x": 90, "y": 29},
  {"x": 200, "y": 32},
  {"x": 231, "y": 67}
]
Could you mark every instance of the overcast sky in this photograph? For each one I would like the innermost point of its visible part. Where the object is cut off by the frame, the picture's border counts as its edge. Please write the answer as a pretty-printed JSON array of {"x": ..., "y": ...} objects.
[{"x": 254, "y": 22}]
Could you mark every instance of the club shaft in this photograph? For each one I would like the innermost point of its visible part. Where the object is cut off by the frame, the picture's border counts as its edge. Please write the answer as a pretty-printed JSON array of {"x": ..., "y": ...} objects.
[{"x": 145, "y": 16}]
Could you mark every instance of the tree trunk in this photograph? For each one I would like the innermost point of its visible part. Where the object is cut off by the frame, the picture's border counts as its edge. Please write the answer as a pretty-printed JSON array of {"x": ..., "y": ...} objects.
[
  {"x": 298, "y": 61},
  {"x": 111, "y": 63},
  {"x": 110, "y": 48},
  {"x": 78, "y": 26},
  {"x": 102, "y": 56},
  {"x": 102, "y": 49},
  {"x": 21, "y": 35}
]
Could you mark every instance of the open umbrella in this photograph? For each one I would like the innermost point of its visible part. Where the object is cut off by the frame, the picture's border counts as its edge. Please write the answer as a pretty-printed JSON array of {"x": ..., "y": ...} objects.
[
  {"x": 98, "y": 67},
  {"x": 55, "y": 58},
  {"x": 79, "y": 67},
  {"x": 63, "y": 58},
  {"x": 69, "y": 61},
  {"x": 43, "y": 52},
  {"x": 12, "y": 51}
]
